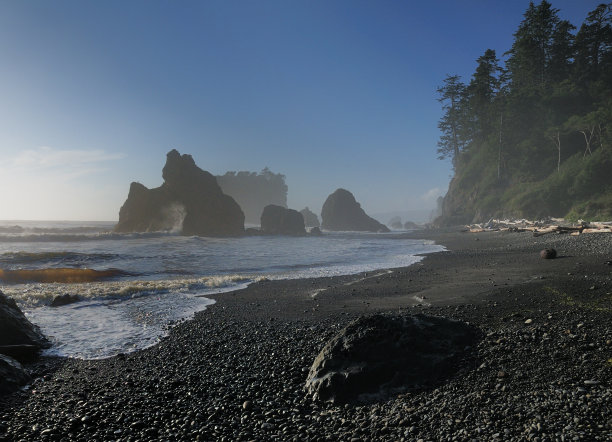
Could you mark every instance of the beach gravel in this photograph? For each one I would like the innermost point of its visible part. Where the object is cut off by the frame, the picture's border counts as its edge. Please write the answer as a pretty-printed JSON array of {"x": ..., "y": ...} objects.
[{"x": 541, "y": 372}]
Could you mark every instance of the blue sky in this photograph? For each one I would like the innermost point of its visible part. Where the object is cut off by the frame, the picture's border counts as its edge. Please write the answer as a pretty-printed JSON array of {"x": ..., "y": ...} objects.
[{"x": 330, "y": 93}]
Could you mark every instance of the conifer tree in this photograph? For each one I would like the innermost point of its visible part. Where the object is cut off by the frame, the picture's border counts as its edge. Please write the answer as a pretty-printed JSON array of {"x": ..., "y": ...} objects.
[{"x": 453, "y": 122}]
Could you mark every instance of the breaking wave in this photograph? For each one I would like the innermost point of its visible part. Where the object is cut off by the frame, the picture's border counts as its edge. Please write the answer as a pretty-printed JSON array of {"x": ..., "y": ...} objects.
[
  {"x": 17, "y": 229},
  {"x": 69, "y": 238},
  {"x": 39, "y": 294},
  {"x": 67, "y": 258}
]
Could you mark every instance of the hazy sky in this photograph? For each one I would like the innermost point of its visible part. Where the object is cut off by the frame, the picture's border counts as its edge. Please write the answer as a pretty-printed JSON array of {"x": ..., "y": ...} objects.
[{"x": 330, "y": 93}]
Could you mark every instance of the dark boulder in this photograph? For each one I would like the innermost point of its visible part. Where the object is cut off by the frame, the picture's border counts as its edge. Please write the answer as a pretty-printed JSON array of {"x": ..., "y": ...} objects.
[
  {"x": 342, "y": 212},
  {"x": 315, "y": 231},
  {"x": 12, "y": 375},
  {"x": 548, "y": 254},
  {"x": 189, "y": 201},
  {"x": 21, "y": 352},
  {"x": 17, "y": 334},
  {"x": 65, "y": 299},
  {"x": 277, "y": 220},
  {"x": 376, "y": 356},
  {"x": 310, "y": 218}
]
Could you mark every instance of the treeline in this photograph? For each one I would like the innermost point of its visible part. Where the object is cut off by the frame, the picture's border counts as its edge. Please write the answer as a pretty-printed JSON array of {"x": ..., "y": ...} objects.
[
  {"x": 253, "y": 191},
  {"x": 532, "y": 136}
]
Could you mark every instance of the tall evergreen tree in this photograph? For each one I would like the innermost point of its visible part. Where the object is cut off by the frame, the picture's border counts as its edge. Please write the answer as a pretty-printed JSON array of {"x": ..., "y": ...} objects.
[
  {"x": 540, "y": 43},
  {"x": 453, "y": 122},
  {"x": 594, "y": 44},
  {"x": 481, "y": 92},
  {"x": 561, "y": 51}
]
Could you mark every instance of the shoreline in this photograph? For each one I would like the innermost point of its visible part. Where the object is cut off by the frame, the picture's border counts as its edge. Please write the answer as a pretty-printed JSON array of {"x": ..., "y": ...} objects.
[{"x": 256, "y": 345}]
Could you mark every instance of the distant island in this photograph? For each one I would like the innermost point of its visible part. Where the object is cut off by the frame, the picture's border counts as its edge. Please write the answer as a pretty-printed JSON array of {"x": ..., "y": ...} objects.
[
  {"x": 254, "y": 191},
  {"x": 532, "y": 138}
]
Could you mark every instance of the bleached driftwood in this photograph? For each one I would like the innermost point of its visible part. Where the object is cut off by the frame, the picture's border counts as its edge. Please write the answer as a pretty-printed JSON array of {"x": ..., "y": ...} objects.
[
  {"x": 539, "y": 228},
  {"x": 604, "y": 230}
]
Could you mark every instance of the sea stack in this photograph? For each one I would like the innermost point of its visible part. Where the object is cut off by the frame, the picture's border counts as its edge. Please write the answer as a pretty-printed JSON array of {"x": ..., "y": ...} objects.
[
  {"x": 310, "y": 218},
  {"x": 277, "y": 220},
  {"x": 189, "y": 201},
  {"x": 342, "y": 212}
]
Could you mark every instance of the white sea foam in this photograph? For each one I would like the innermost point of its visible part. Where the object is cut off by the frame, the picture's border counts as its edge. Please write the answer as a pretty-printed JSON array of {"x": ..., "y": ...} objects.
[
  {"x": 94, "y": 329},
  {"x": 36, "y": 294},
  {"x": 118, "y": 316}
]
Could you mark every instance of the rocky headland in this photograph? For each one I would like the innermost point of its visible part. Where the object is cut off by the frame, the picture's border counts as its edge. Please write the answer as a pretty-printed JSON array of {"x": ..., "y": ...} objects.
[
  {"x": 189, "y": 201},
  {"x": 341, "y": 212}
]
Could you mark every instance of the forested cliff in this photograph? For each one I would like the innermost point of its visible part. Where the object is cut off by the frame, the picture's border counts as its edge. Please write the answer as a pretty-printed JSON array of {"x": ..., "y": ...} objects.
[{"x": 532, "y": 136}]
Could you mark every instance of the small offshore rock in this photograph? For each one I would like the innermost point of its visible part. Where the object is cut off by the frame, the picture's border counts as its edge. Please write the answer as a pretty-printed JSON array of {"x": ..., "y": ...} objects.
[
  {"x": 66, "y": 299},
  {"x": 278, "y": 220}
]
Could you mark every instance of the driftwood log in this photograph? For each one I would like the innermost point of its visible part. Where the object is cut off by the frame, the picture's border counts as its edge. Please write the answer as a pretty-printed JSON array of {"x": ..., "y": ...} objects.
[{"x": 553, "y": 225}]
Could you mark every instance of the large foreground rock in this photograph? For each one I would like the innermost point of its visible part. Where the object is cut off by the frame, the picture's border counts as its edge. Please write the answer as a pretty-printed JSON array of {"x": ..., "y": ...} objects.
[
  {"x": 277, "y": 220},
  {"x": 342, "y": 212},
  {"x": 12, "y": 375},
  {"x": 380, "y": 355},
  {"x": 189, "y": 201},
  {"x": 19, "y": 338}
]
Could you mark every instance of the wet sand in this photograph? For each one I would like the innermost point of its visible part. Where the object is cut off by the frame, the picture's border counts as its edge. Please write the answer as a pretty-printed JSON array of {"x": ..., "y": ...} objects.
[{"x": 542, "y": 371}]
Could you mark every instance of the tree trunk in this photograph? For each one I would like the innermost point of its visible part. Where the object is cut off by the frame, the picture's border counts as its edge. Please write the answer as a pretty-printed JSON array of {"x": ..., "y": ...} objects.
[
  {"x": 587, "y": 140},
  {"x": 557, "y": 140}
]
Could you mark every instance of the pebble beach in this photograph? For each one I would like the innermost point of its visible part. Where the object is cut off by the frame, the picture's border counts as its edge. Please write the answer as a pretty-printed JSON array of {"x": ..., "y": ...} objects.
[{"x": 541, "y": 371}]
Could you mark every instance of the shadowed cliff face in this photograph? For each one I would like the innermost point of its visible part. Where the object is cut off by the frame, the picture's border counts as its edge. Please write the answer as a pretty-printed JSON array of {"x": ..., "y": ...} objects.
[
  {"x": 189, "y": 201},
  {"x": 342, "y": 212}
]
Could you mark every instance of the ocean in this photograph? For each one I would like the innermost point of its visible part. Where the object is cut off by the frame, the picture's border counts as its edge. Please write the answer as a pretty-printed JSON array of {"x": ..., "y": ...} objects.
[{"x": 133, "y": 287}]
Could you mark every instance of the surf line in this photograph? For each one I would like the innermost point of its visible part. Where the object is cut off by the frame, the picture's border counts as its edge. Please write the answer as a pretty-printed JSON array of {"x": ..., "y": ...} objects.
[{"x": 317, "y": 292}]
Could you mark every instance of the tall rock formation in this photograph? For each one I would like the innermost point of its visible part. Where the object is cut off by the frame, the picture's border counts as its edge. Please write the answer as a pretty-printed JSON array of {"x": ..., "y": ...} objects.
[
  {"x": 342, "y": 212},
  {"x": 310, "y": 218},
  {"x": 189, "y": 201}
]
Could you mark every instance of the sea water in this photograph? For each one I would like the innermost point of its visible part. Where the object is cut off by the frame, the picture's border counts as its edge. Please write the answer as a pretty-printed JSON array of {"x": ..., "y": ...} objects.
[{"x": 132, "y": 286}]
